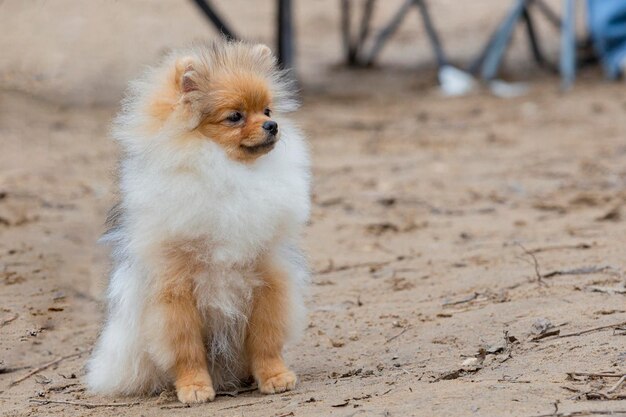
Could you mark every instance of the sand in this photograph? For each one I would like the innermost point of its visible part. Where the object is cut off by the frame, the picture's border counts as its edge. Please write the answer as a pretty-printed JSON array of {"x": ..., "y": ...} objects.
[{"x": 445, "y": 231}]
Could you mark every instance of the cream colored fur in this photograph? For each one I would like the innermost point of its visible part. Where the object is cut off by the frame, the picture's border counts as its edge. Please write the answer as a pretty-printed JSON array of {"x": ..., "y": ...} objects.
[{"x": 174, "y": 190}]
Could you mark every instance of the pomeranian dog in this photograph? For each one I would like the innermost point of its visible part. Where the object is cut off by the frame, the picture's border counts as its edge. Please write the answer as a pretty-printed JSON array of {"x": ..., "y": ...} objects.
[{"x": 207, "y": 282}]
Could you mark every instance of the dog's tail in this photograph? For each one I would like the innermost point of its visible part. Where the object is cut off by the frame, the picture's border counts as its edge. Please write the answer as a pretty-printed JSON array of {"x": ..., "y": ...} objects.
[{"x": 119, "y": 365}]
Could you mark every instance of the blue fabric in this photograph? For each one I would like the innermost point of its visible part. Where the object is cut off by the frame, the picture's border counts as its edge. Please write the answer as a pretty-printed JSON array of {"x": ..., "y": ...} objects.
[{"x": 607, "y": 25}]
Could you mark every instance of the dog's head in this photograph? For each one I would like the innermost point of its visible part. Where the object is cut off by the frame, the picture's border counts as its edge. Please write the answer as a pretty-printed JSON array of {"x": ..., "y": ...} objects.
[{"x": 228, "y": 93}]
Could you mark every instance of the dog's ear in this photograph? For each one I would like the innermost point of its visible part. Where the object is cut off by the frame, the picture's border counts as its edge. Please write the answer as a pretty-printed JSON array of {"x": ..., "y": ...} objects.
[
  {"x": 263, "y": 50},
  {"x": 187, "y": 79},
  {"x": 185, "y": 75}
]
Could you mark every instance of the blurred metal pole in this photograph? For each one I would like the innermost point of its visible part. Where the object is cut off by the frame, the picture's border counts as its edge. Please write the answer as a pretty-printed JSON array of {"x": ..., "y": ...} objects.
[
  {"x": 535, "y": 45},
  {"x": 366, "y": 20},
  {"x": 568, "y": 45},
  {"x": 353, "y": 46},
  {"x": 285, "y": 35},
  {"x": 548, "y": 13},
  {"x": 217, "y": 21},
  {"x": 432, "y": 33},
  {"x": 388, "y": 30},
  {"x": 348, "y": 47},
  {"x": 496, "y": 47}
]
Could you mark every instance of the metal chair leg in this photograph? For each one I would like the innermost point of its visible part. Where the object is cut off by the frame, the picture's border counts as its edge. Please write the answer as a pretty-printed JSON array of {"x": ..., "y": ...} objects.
[
  {"x": 349, "y": 49},
  {"x": 500, "y": 41},
  {"x": 535, "y": 46},
  {"x": 353, "y": 50},
  {"x": 217, "y": 21},
  {"x": 353, "y": 46},
  {"x": 366, "y": 20},
  {"x": 389, "y": 30},
  {"x": 552, "y": 17},
  {"x": 568, "y": 45},
  {"x": 432, "y": 33},
  {"x": 285, "y": 35}
]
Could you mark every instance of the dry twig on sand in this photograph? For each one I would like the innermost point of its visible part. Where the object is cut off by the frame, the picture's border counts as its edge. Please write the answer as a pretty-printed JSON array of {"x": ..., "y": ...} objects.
[
  {"x": 462, "y": 301},
  {"x": 535, "y": 262},
  {"x": 373, "y": 265},
  {"x": 594, "y": 329},
  {"x": 82, "y": 404},
  {"x": 549, "y": 333},
  {"x": 397, "y": 335},
  {"x": 8, "y": 320},
  {"x": 243, "y": 405},
  {"x": 595, "y": 374},
  {"x": 45, "y": 366},
  {"x": 332, "y": 268},
  {"x": 617, "y": 385},
  {"x": 607, "y": 290},
  {"x": 235, "y": 392},
  {"x": 580, "y": 333},
  {"x": 585, "y": 270},
  {"x": 587, "y": 413},
  {"x": 559, "y": 247}
]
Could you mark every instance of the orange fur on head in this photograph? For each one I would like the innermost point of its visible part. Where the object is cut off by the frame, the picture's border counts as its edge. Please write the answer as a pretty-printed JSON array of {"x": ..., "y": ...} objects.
[
  {"x": 249, "y": 96},
  {"x": 210, "y": 90}
]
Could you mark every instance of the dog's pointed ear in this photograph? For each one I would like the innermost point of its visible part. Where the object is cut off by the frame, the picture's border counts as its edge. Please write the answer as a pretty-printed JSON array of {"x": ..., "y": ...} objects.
[
  {"x": 263, "y": 50},
  {"x": 185, "y": 75}
]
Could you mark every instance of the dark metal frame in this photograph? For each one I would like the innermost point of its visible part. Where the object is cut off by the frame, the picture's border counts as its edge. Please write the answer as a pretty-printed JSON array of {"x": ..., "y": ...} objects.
[
  {"x": 487, "y": 64},
  {"x": 284, "y": 28},
  {"x": 567, "y": 64},
  {"x": 354, "y": 48},
  {"x": 489, "y": 61}
]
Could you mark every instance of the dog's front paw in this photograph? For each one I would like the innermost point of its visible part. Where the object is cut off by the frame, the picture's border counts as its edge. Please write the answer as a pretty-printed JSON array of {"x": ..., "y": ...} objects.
[
  {"x": 195, "y": 393},
  {"x": 282, "y": 382}
]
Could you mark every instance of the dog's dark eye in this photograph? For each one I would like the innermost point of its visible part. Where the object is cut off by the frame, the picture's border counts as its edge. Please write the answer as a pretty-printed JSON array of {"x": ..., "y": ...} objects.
[
  {"x": 235, "y": 117},
  {"x": 268, "y": 112}
]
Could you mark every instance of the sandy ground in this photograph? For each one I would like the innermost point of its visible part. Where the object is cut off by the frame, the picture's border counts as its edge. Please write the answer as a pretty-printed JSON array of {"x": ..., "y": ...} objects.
[{"x": 443, "y": 229}]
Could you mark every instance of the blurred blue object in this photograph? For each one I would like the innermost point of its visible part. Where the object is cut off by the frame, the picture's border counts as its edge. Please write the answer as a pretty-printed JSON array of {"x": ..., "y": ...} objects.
[
  {"x": 488, "y": 63},
  {"x": 607, "y": 25},
  {"x": 567, "y": 61}
]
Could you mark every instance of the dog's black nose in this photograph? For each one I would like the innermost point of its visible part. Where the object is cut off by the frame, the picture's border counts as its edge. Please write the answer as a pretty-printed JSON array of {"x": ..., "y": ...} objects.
[{"x": 271, "y": 126}]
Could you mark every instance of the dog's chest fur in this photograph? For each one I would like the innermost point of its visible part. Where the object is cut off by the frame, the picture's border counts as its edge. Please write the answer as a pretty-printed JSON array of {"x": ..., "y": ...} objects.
[
  {"x": 225, "y": 215},
  {"x": 237, "y": 210},
  {"x": 224, "y": 299}
]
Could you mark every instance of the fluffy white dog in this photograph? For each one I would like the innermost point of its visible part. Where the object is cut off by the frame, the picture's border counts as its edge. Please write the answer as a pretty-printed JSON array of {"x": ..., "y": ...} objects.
[{"x": 207, "y": 283}]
